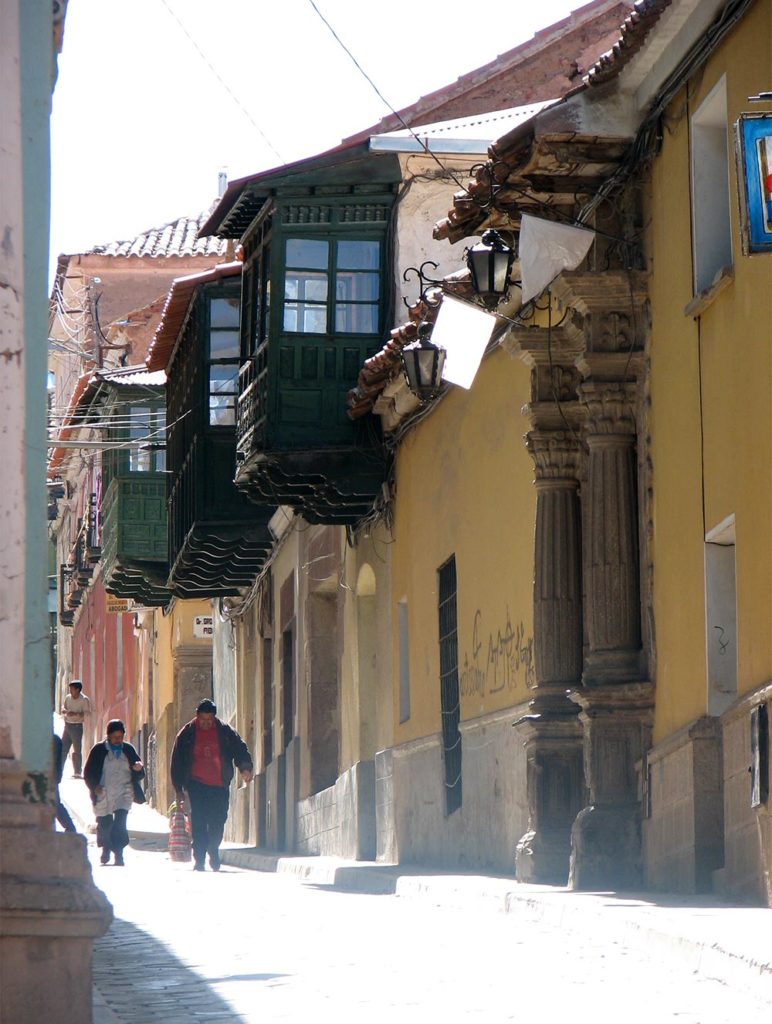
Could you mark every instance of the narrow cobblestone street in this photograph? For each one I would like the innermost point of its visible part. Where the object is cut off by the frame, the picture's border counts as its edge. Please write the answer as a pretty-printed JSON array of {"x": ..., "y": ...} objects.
[{"x": 243, "y": 946}]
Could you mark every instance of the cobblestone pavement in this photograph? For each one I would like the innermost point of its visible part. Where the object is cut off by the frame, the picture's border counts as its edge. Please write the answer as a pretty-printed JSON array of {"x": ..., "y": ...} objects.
[{"x": 242, "y": 946}]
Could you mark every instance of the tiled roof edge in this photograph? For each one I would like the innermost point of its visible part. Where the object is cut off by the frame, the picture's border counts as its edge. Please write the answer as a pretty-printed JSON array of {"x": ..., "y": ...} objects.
[{"x": 632, "y": 36}]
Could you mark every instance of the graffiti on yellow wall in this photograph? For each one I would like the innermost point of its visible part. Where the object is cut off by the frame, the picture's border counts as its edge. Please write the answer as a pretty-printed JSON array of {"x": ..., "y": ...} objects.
[{"x": 501, "y": 662}]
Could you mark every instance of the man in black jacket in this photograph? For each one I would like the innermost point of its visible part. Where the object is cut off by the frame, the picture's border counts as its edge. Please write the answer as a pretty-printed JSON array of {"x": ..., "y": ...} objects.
[{"x": 203, "y": 757}]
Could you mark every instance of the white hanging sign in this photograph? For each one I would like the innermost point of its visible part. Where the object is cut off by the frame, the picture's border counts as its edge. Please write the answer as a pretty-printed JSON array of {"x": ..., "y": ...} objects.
[
  {"x": 464, "y": 331},
  {"x": 546, "y": 249}
]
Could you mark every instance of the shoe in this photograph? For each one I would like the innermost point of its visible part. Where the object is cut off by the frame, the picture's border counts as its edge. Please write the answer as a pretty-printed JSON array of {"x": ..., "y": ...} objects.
[
  {"x": 77, "y": 775},
  {"x": 105, "y": 858},
  {"x": 119, "y": 859},
  {"x": 214, "y": 860},
  {"x": 199, "y": 867}
]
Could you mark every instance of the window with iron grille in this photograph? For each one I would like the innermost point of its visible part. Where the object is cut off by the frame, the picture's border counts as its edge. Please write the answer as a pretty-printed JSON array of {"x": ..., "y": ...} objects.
[
  {"x": 288, "y": 686},
  {"x": 449, "y": 690}
]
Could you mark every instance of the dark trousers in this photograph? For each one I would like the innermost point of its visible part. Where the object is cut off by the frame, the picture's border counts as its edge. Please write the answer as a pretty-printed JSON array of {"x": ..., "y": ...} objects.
[
  {"x": 63, "y": 815},
  {"x": 208, "y": 811},
  {"x": 72, "y": 736},
  {"x": 112, "y": 833}
]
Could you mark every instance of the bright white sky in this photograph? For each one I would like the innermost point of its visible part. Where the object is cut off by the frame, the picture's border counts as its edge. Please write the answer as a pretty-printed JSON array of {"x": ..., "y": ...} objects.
[{"x": 141, "y": 124}]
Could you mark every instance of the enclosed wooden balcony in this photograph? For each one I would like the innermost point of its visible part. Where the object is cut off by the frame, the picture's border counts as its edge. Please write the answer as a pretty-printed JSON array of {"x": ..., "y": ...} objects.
[
  {"x": 315, "y": 304},
  {"x": 218, "y": 539},
  {"x": 134, "y": 538}
]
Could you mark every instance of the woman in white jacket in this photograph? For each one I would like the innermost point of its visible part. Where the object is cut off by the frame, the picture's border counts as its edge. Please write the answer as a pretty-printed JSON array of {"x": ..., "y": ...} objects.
[{"x": 112, "y": 773}]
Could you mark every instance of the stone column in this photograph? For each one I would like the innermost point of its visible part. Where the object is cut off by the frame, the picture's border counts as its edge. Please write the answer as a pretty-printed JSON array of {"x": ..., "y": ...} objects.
[
  {"x": 50, "y": 910},
  {"x": 551, "y": 730},
  {"x": 611, "y": 511},
  {"x": 615, "y": 699}
]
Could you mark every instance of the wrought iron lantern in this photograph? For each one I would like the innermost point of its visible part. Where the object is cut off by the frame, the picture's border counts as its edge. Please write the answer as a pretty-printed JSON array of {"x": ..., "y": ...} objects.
[
  {"x": 423, "y": 363},
  {"x": 490, "y": 263}
]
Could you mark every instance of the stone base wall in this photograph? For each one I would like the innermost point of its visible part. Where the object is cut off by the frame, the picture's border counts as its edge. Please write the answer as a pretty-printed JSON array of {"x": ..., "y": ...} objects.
[
  {"x": 162, "y": 793},
  {"x": 483, "y": 833},
  {"x": 683, "y": 834},
  {"x": 387, "y": 850},
  {"x": 340, "y": 820},
  {"x": 241, "y": 825},
  {"x": 748, "y": 830},
  {"x": 275, "y": 804}
]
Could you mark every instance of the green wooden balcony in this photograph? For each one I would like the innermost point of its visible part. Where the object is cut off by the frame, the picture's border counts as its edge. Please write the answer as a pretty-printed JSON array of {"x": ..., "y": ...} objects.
[{"x": 134, "y": 538}]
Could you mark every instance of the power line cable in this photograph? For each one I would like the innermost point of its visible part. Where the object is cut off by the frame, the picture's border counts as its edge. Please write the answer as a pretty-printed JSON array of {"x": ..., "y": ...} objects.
[
  {"x": 382, "y": 98},
  {"x": 224, "y": 84}
]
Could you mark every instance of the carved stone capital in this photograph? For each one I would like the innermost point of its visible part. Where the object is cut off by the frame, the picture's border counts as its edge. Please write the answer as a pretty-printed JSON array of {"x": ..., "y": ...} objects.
[
  {"x": 555, "y": 382},
  {"x": 557, "y": 456},
  {"x": 598, "y": 292},
  {"x": 610, "y": 408}
]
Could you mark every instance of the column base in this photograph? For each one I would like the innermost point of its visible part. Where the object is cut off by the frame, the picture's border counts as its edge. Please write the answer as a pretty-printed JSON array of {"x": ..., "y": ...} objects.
[
  {"x": 556, "y": 791},
  {"x": 542, "y": 858},
  {"x": 50, "y": 910},
  {"x": 606, "y": 848}
]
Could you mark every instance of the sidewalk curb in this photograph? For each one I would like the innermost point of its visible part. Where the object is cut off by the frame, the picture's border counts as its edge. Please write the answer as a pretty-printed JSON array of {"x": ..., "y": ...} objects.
[{"x": 630, "y": 919}]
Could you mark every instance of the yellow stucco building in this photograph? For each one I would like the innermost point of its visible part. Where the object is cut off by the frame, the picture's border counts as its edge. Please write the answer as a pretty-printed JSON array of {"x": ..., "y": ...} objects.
[
  {"x": 650, "y": 404},
  {"x": 711, "y": 453}
]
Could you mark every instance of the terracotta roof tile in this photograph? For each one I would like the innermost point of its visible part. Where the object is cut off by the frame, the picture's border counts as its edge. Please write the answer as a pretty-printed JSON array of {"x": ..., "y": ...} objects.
[
  {"x": 176, "y": 308},
  {"x": 632, "y": 36},
  {"x": 379, "y": 370},
  {"x": 177, "y": 238}
]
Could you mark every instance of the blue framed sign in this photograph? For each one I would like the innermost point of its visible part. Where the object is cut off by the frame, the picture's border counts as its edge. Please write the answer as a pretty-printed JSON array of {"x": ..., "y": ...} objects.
[{"x": 754, "y": 179}]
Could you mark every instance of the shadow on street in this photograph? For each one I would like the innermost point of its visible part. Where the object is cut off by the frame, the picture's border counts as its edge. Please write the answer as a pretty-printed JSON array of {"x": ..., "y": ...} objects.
[{"x": 142, "y": 981}]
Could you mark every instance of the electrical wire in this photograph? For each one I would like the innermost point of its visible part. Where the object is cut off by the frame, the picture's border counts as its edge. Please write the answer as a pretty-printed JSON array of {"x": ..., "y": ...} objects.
[
  {"x": 224, "y": 84},
  {"x": 382, "y": 98}
]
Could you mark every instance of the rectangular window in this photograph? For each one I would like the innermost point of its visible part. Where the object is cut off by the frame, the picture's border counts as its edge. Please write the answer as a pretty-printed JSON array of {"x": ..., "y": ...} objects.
[
  {"x": 268, "y": 700},
  {"x": 147, "y": 428},
  {"x": 711, "y": 227},
  {"x": 721, "y": 616},
  {"x": 223, "y": 359},
  {"x": 288, "y": 686},
  {"x": 449, "y": 689},
  {"x": 759, "y": 756},
  {"x": 332, "y": 286},
  {"x": 404, "y": 662}
]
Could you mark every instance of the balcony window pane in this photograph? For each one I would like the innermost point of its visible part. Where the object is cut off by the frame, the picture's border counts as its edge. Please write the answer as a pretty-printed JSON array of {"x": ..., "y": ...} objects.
[
  {"x": 224, "y": 312},
  {"x": 307, "y": 252},
  {"x": 359, "y": 255},
  {"x": 305, "y": 285},
  {"x": 224, "y": 344},
  {"x": 304, "y": 318},
  {"x": 223, "y": 391},
  {"x": 356, "y": 319},
  {"x": 356, "y": 287},
  {"x": 139, "y": 428}
]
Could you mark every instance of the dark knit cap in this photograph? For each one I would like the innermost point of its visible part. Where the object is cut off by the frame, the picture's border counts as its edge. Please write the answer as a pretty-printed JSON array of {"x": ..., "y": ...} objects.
[{"x": 207, "y": 706}]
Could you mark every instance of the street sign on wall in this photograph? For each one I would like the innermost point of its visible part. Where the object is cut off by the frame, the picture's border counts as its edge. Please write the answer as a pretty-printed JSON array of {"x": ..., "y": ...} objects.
[
  {"x": 203, "y": 626},
  {"x": 115, "y": 605}
]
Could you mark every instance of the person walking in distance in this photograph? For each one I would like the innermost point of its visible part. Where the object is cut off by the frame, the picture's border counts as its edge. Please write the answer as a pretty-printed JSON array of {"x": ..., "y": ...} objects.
[
  {"x": 112, "y": 773},
  {"x": 203, "y": 757},
  {"x": 74, "y": 710}
]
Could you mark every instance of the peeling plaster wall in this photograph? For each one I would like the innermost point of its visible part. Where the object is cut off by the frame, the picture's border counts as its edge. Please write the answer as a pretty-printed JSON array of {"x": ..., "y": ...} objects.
[{"x": 426, "y": 202}]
